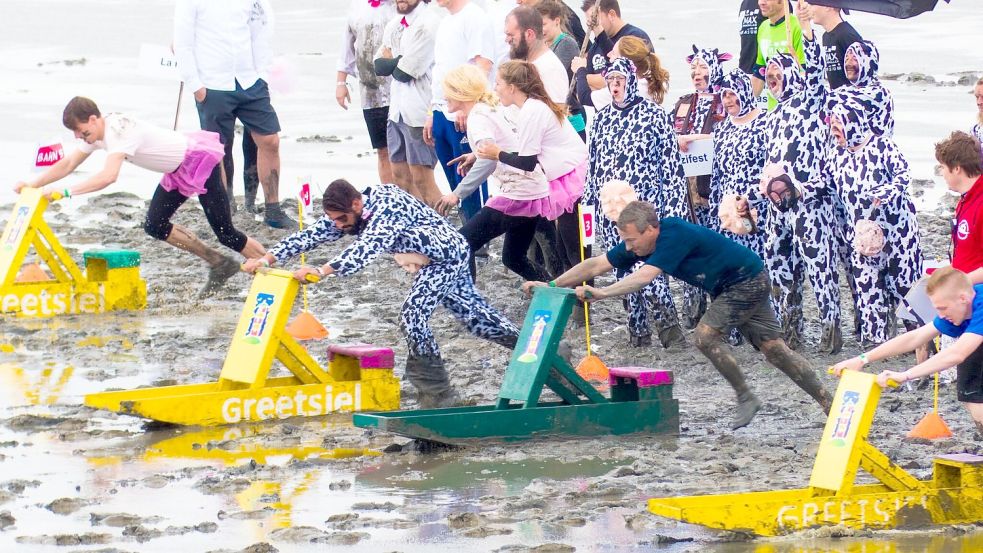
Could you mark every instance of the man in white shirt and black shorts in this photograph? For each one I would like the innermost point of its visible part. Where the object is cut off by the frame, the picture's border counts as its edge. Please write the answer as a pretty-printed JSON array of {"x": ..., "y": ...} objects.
[
  {"x": 223, "y": 53},
  {"x": 407, "y": 55}
]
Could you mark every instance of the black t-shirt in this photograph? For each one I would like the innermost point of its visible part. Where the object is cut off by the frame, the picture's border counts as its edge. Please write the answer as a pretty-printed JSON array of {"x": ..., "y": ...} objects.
[
  {"x": 835, "y": 43},
  {"x": 631, "y": 30},
  {"x": 750, "y": 18},
  {"x": 574, "y": 25}
]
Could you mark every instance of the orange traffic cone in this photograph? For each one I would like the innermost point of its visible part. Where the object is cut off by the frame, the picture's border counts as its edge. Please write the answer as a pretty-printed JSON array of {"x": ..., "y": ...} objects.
[
  {"x": 32, "y": 272},
  {"x": 307, "y": 327},
  {"x": 931, "y": 426}
]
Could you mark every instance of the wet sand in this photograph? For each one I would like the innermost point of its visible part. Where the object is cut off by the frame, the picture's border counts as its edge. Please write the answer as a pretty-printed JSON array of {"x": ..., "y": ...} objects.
[{"x": 76, "y": 476}]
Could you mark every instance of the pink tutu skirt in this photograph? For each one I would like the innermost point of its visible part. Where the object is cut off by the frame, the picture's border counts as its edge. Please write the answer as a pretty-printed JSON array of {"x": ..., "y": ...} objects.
[
  {"x": 564, "y": 194},
  {"x": 205, "y": 151}
]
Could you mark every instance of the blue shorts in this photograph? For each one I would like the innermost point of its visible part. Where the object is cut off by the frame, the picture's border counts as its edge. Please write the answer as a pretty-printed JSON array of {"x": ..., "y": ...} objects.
[{"x": 251, "y": 106}]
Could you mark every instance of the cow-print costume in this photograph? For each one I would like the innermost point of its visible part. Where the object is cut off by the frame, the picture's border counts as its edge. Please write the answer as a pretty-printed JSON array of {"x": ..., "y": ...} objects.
[
  {"x": 978, "y": 132},
  {"x": 705, "y": 116},
  {"x": 738, "y": 158},
  {"x": 867, "y": 95},
  {"x": 802, "y": 239},
  {"x": 635, "y": 142},
  {"x": 395, "y": 222},
  {"x": 872, "y": 177}
]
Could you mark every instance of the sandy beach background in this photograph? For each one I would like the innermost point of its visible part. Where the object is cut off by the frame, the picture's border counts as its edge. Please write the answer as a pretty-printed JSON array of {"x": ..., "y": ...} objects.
[{"x": 74, "y": 479}]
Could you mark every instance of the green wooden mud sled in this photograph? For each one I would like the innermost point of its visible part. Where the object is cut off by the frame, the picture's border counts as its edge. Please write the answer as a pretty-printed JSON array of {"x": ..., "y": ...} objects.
[{"x": 641, "y": 399}]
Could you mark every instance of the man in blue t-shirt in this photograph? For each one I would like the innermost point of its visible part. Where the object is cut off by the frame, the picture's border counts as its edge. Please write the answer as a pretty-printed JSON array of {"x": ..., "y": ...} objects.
[
  {"x": 960, "y": 307},
  {"x": 733, "y": 275}
]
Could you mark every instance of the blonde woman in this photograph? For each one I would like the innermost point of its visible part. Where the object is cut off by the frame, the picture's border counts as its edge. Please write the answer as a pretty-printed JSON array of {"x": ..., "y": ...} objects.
[{"x": 523, "y": 199}]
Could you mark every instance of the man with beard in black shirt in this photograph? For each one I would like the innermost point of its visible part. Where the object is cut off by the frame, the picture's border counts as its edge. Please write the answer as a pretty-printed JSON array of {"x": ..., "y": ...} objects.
[{"x": 838, "y": 37}]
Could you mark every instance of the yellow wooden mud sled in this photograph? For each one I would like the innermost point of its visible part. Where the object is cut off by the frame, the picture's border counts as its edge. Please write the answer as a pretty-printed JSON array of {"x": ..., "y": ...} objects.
[
  {"x": 358, "y": 377},
  {"x": 954, "y": 495},
  {"x": 111, "y": 281}
]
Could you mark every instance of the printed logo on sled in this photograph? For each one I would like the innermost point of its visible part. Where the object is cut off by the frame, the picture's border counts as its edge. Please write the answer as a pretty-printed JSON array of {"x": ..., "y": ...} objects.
[
  {"x": 844, "y": 420},
  {"x": 16, "y": 227},
  {"x": 540, "y": 319},
  {"x": 261, "y": 315}
]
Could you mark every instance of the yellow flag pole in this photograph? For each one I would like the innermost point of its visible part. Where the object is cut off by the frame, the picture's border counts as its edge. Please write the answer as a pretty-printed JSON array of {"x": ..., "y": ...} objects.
[{"x": 300, "y": 225}]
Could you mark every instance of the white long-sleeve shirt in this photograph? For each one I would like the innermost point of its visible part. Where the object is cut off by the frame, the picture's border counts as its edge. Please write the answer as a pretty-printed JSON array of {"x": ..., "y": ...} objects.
[
  {"x": 359, "y": 43},
  {"x": 220, "y": 42}
]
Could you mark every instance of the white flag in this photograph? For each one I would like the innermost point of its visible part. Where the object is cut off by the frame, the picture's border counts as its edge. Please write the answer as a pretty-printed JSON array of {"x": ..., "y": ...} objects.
[
  {"x": 305, "y": 197},
  {"x": 586, "y": 223}
]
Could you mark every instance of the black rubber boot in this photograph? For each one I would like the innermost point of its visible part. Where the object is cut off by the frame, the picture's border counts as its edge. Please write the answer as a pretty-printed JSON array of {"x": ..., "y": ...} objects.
[
  {"x": 832, "y": 340},
  {"x": 639, "y": 340},
  {"x": 250, "y": 179},
  {"x": 672, "y": 337},
  {"x": 428, "y": 375},
  {"x": 276, "y": 218}
]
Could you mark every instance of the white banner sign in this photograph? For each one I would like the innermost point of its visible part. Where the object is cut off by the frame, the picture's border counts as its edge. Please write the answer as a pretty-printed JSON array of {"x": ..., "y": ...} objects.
[
  {"x": 158, "y": 62},
  {"x": 587, "y": 224},
  {"x": 698, "y": 158}
]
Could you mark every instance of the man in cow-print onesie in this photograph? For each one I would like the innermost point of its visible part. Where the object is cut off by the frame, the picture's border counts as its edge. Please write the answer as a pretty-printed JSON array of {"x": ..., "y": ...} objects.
[
  {"x": 872, "y": 178},
  {"x": 386, "y": 219},
  {"x": 694, "y": 117},
  {"x": 865, "y": 93},
  {"x": 632, "y": 139},
  {"x": 801, "y": 236}
]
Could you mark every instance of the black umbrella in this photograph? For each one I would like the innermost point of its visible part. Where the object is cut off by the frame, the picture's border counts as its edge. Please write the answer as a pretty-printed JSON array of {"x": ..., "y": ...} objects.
[{"x": 901, "y": 9}]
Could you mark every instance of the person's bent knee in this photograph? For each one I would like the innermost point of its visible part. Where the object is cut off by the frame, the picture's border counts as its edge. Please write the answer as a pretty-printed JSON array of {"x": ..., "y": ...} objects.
[
  {"x": 234, "y": 240},
  {"x": 706, "y": 337},
  {"x": 267, "y": 141},
  {"x": 158, "y": 229}
]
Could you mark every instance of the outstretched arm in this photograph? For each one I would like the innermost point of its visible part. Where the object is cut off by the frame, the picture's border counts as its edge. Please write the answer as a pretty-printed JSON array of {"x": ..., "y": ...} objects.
[
  {"x": 56, "y": 172},
  {"x": 895, "y": 346}
]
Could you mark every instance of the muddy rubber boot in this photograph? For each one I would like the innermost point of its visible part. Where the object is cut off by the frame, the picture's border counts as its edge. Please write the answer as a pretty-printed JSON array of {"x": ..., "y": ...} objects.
[
  {"x": 565, "y": 352},
  {"x": 747, "y": 407},
  {"x": 276, "y": 218},
  {"x": 832, "y": 340},
  {"x": 218, "y": 275},
  {"x": 428, "y": 375},
  {"x": 639, "y": 340},
  {"x": 672, "y": 337},
  {"x": 250, "y": 179},
  {"x": 694, "y": 308}
]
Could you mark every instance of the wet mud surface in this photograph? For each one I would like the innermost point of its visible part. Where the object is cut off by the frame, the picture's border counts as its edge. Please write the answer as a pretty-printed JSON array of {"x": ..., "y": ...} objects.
[{"x": 74, "y": 478}]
